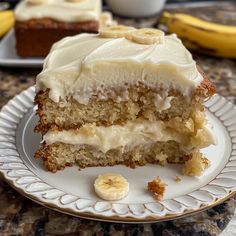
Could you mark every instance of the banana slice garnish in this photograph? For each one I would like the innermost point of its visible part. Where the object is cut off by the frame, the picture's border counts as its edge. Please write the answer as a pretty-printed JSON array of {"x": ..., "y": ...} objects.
[
  {"x": 147, "y": 36},
  {"x": 106, "y": 20},
  {"x": 116, "y": 31},
  {"x": 111, "y": 186},
  {"x": 36, "y": 2}
]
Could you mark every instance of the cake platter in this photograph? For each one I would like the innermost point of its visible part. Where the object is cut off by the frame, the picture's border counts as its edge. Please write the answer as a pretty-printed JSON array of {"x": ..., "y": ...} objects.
[{"x": 71, "y": 191}]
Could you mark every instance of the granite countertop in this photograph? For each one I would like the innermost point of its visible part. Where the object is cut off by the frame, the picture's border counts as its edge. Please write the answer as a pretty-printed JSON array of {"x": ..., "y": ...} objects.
[{"x": 20, "y": 216}]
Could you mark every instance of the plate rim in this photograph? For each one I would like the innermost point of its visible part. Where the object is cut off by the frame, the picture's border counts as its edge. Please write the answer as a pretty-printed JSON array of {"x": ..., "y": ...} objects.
[
  {"x": 117, "y": 219},
  {"x": 24, "y": 101}
]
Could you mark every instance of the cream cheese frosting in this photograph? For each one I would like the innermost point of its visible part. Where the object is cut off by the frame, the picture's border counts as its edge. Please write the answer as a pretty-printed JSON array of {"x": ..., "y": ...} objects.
[
  {"x": 85, "y": 65},
  {"x": 60, "y": 10},
  {"x": 131, "y": 134}
]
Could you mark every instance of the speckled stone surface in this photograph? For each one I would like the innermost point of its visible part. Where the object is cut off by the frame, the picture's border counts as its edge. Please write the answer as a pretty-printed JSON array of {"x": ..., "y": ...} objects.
[{"x": 20, "y": 216}]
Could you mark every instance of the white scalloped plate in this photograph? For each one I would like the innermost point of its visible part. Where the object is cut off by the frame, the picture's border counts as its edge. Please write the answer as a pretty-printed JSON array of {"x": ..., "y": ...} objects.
[{"x": 71, "y": 191}]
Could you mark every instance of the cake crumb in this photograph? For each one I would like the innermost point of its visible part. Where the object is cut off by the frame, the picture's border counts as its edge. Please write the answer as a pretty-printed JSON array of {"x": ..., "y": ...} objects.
[
  {"x": 196, "y": 165},
  {"x": 177, "y": 179},
  {"x": 206, "y": 163},
  {"x": 157, "y": 187}
]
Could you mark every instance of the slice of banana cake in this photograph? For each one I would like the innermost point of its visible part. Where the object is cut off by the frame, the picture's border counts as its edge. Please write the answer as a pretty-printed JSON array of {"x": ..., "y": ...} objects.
[{"x": 123, "y": 96}]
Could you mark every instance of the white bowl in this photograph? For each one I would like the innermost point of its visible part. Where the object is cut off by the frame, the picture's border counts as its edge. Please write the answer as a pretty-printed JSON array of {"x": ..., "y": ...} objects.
[{"x": 136, "y": 8}]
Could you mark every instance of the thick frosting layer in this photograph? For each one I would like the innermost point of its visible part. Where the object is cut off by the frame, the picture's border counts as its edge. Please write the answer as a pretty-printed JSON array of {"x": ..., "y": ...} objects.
[
  {"x": 60, "y": 10},
  {"x": 130, "y": 134},
  {"x": 86, "y": 65}
]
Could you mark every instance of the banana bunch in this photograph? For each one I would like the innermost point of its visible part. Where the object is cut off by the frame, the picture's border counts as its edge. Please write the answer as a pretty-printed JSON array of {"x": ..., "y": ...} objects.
[
  {"x": 199, "y": 35},
  {"x": 111, "y": 186},
  {"x": 6, "y": 21}
]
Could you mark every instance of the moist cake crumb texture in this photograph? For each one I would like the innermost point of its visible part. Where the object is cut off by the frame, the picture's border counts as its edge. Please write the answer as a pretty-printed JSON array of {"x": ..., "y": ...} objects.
[
  {"x": 157, "y": 188},
  {"x": 124, "y": 98}
]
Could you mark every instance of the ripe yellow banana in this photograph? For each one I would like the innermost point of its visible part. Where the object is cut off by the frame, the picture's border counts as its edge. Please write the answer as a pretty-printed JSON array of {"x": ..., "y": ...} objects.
[
  {"x": 6, "y": 21},
  {"x": 205, "y": 37}
]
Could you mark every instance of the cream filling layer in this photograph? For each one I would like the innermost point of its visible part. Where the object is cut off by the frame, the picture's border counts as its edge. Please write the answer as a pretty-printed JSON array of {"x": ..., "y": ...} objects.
[
  {"x": 130, "y": 134},
  {"x": 87, "y": 65},
  {"x": 61, "y": 10}
]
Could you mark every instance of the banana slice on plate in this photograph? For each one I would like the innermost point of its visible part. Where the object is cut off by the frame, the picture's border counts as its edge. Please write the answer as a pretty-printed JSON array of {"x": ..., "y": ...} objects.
[
  {"x": 147, "y": 36},
  {"x": 116, "y": 31},
  {"x": 111, "y": 186}
]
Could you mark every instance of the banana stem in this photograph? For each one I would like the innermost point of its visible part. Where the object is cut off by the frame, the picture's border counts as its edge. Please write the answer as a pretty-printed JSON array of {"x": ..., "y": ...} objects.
[{"x": 165, "y": 18}]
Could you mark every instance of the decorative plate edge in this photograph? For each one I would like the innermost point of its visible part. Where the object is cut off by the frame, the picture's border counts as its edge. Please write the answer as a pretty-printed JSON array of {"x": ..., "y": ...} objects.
[{"x": 18, "y": 175}]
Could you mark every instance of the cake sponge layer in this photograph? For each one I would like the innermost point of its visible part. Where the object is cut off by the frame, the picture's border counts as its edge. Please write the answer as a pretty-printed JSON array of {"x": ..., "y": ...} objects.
[
  {"x": 59, "y": 155},
  {"x": 137, "y": 102}
]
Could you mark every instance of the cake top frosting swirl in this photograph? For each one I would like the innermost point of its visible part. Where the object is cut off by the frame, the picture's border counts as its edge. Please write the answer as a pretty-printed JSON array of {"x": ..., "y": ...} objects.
[
  {"x": 60, "y": 10},
  {"x": 84, "y": 65}
]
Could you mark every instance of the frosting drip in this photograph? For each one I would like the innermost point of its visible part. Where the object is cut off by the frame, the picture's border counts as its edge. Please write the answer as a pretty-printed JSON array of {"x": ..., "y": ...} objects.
[
  {"x": 85, "y": 65},
  {"x": 60, "y": 10}
]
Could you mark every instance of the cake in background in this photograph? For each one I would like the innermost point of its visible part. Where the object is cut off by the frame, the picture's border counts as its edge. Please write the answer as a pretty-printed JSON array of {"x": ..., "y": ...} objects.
[
  {"x": 40, "y": 23},
  {"x": 123, "y": 96}
]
